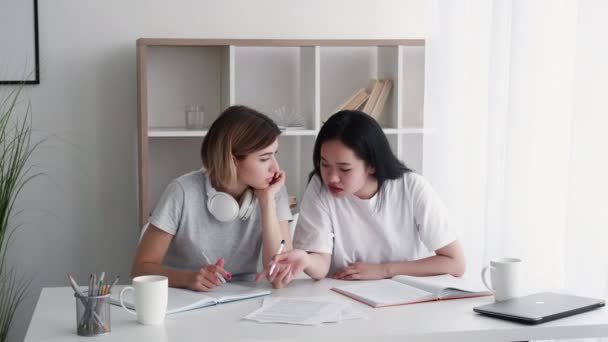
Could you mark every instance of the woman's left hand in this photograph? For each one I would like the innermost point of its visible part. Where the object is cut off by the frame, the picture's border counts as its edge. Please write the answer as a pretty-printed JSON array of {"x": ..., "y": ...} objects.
[
  {"x": 268, "y": 193},
  {"x": 362, "y": 271}
]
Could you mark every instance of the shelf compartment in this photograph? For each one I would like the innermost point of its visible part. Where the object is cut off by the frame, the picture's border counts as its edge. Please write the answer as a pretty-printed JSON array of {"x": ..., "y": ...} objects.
[
  {"x": 181, "y": 76},
  {"x": 275, "y": 79},
  {"x": 412, "y": 89},
  {"x": 344, "y": 70}
]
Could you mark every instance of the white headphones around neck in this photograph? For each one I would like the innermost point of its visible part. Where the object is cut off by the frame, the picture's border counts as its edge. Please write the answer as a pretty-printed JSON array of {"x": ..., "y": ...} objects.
[{"x": 225, "y": 208}]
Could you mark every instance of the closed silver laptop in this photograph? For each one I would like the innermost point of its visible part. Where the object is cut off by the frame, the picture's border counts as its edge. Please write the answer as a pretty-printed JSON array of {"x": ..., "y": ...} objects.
[{"x": 540, "y": 307}]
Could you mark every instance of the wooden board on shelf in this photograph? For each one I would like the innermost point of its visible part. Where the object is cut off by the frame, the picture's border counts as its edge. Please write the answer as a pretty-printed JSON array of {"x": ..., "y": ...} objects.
[{"x": 277, "y": 42}]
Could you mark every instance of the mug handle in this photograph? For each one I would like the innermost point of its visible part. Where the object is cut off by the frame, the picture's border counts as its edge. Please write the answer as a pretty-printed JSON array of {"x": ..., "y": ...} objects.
[
  {"x": 483, "y": 278},
  {"x": 122, "y": 303}
]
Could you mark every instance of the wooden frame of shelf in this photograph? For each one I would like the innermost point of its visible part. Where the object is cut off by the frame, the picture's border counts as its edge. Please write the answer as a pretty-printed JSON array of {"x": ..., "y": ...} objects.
[{"x": 309, "y": 50}]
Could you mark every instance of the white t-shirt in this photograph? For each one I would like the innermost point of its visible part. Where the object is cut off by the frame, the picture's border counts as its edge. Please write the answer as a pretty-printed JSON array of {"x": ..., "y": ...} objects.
[
  {"x": 411, "y": 224},
  {"x": 199, "y": 238}
]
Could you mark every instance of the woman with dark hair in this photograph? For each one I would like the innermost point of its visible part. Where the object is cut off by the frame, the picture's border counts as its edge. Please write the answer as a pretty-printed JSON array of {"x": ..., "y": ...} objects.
[
  {"x": 364, "y": 214},
  {"x": 217, "y": 219}
]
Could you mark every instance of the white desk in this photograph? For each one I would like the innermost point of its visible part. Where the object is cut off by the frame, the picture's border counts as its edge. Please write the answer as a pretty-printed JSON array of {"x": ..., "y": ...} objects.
[{"x": 452, "y": 320}]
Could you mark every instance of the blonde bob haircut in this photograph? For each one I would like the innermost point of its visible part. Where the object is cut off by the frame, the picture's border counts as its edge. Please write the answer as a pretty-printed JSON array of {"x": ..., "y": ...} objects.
[{"x": 237, "y": 132}]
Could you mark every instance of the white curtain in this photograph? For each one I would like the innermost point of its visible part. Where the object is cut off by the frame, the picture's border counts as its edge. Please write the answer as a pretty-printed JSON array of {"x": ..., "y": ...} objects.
[{"x": 517, "y": 141}]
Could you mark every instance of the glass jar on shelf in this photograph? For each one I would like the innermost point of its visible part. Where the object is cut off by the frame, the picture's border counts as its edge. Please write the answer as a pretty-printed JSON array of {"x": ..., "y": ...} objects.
[{"x": 195, "y": 117}]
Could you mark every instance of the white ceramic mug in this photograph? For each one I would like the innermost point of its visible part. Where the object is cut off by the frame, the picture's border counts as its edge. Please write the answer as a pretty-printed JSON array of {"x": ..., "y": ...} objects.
[
  {"x": 150, "y": 298},
  {"x": 504, "y": 274}
]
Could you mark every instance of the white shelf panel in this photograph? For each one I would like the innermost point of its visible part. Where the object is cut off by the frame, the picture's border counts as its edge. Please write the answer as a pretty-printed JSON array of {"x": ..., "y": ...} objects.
[
  {"x": 159, "y": 132},
  {"x": 299, "y": 132},
  {"x": 406, "y": 130},
  {"x": 175, "y": 132}
]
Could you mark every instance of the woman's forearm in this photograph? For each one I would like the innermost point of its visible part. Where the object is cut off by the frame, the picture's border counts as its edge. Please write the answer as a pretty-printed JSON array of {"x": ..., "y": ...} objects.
[
  {"x": 317, "y": 265},
  {"x": 177, "y": 278},
  {"x": 272, "y": 232},
  {"x": 434, "y": 265}
]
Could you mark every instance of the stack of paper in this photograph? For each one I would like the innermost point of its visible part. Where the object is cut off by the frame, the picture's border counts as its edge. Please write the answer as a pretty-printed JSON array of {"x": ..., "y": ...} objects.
[{"x": 304, "y": 311}]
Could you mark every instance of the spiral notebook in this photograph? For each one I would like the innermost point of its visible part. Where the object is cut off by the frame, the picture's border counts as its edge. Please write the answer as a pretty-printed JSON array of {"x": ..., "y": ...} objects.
[
  {"x": 401, "y": 290},
  {"x": 184, "y": 300}
]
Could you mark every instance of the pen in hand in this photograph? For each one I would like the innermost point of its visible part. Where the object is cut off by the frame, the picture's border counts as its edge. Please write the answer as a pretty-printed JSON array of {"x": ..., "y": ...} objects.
[
  {"x": 219, "y": 276},
  {"x": 278, "y": 252}
]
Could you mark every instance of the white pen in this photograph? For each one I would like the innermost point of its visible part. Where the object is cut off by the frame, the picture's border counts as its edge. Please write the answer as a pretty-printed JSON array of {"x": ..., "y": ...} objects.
[
  {"x": 278, "y": 252},
  {"x": 219, "y": 276}
]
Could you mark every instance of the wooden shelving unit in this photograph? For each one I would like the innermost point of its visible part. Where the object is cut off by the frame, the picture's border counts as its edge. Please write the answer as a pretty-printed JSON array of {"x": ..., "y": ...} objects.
[{"x": 310, "y": 77}]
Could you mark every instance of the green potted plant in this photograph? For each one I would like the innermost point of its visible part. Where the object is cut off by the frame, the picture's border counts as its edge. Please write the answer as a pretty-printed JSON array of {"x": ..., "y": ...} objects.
[{"x": 16, "y": 148}]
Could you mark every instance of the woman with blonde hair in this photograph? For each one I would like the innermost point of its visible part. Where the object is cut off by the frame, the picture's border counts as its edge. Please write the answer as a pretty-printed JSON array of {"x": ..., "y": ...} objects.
[{"x": 211, "y": 224}]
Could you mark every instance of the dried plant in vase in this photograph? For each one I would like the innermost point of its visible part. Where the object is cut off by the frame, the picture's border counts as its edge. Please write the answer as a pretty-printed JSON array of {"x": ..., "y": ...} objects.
[{"x": 15, "y": 173}]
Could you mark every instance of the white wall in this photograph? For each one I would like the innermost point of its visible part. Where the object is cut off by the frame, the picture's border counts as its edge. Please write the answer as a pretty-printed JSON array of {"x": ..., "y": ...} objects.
[{"x": 81, "y": 217}]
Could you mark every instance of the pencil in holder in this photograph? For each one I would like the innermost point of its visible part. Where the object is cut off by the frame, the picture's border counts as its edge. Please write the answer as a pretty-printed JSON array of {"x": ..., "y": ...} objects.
[{"x": 92, "y": 315}]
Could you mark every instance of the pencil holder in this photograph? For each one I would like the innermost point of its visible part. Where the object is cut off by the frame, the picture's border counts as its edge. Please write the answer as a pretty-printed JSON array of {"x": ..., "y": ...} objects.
[{"x": 92, "y": 315}]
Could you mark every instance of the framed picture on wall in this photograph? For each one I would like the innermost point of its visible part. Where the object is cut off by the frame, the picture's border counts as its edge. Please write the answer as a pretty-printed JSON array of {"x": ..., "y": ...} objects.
[{"x": 19, "y": 60}]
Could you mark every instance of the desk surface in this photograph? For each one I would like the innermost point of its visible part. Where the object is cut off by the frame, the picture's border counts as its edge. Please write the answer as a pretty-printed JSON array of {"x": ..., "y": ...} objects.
[{"x": 453, "y": 320}]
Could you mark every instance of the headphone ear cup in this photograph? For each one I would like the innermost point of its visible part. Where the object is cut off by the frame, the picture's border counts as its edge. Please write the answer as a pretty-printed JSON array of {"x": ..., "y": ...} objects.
[
  {"x": 247, "y": 204},
  {"x": 251, "y": 208},
  {"x": 223, "y": 207}
]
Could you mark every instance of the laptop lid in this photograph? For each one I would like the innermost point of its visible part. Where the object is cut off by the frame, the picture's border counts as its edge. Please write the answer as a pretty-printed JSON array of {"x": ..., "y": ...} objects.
[{"x": 540, "y": 307}]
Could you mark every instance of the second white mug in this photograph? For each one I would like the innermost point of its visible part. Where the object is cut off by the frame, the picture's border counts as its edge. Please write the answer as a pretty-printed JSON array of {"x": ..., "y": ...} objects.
[
  {"x": 150, "y": 298},
  {"x": 505, "y": 278}
]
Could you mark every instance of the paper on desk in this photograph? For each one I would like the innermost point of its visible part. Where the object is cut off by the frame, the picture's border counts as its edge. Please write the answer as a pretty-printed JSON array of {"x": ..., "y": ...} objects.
[
  {"x": 296, "y": 311},
  {"x": 304, "y": 311},
  {"x": 347, "y": 312}
]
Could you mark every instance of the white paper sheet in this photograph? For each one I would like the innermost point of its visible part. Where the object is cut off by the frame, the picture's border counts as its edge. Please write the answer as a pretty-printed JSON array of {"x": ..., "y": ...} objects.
[{"x": 305, "y": 311}]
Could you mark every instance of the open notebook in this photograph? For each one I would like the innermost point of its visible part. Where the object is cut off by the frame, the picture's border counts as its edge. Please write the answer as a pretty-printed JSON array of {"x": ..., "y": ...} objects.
[
  {"x": 402, "y": 290},
  {"x": 184, "y": 300}
]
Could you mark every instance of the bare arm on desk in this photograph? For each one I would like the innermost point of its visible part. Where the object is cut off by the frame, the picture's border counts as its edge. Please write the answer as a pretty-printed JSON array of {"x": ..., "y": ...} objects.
[
  {"x": 150, "y": 254},
  {"x": 291, "y": 263},
  {"x": 318, "y": 265},
  {"x": 273, "y": 230},
  {"x": 448, "y": 259}
]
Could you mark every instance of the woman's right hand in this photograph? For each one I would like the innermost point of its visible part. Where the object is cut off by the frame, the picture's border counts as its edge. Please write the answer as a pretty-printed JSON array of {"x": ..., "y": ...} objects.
[
  {"x": 267, "y": 194},
  {"x": 206, "y": 279},
  {"x": 288, "y": 265}
]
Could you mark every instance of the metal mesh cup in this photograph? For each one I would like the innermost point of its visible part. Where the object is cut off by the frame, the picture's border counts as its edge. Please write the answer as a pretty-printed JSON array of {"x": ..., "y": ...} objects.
[{"x": 92, "y": 315}]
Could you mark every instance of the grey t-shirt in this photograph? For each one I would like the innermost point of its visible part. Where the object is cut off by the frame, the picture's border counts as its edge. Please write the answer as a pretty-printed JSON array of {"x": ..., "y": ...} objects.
[{"x": 199, "y": 238}]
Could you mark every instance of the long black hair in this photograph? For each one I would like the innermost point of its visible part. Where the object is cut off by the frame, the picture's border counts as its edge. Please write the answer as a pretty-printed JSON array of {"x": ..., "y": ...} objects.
[{"x": 362, "y": 134}]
